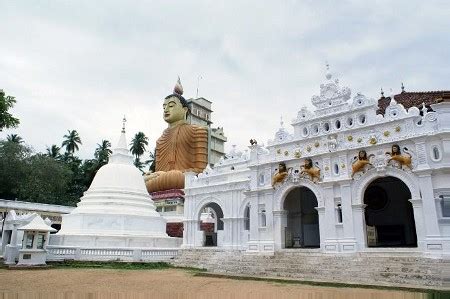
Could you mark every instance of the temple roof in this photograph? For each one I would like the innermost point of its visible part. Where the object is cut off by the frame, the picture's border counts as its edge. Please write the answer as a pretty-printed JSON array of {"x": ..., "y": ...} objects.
[{"x": 410, "y": 99}]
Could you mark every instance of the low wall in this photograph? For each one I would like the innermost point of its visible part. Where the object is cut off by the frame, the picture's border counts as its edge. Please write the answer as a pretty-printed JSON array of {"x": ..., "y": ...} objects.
[
  {"x": 59, "y": 253},
  {"x": 389, "y": 269}
]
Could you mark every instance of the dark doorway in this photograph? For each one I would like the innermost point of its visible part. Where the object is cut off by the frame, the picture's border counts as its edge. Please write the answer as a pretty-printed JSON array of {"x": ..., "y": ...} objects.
[
  {"x": 389, "y": 215},
  {"x": 302, "y": 229},
  {"x": 210, "y": 222}
]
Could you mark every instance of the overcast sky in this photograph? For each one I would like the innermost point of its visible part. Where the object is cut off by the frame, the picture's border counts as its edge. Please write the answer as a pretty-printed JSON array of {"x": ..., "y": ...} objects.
[{"x": 84, "y": 64}]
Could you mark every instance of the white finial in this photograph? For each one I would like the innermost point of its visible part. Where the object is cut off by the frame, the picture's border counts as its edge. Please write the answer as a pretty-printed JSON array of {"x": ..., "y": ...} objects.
[
  {"x": 281, "y": 121},
  {"x": 424, "y": 108},
  {"x": 393, "y": 101},
  {"x": 328, "y": 74},
  {"x": 124, "y": 120}
]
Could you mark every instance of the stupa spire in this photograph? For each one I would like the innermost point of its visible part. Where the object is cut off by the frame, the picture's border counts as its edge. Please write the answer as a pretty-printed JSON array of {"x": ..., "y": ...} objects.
[{"x": 121, "y": 154}]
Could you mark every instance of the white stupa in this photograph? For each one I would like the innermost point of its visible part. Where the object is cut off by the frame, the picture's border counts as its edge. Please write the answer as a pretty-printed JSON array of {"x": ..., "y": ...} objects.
[{"x": 116, "y": 210}]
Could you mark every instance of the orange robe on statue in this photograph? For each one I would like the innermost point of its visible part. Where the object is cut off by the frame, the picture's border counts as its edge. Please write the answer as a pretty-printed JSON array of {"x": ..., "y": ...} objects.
[{"x": 179, "y": 149}]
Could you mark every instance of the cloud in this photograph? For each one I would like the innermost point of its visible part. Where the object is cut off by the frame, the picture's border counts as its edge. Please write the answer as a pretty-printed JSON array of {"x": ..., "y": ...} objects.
[{"x": 80, "y": 65}]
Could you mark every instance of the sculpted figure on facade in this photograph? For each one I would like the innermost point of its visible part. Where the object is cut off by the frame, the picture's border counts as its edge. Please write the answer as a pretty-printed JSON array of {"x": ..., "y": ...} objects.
[
  {"x": 280, "y": 175},
  {"x": 398, "y": 159},
  {"x": 360, "y": 163},
  {"x": 181, "y": 148},
  {"x": 309, "y": 170}
]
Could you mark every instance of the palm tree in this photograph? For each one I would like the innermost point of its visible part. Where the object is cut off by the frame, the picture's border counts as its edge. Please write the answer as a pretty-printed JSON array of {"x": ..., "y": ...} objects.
[
  {"x": 14, "y": 138},
  {"x": 139, "y": 164},
  {"x": 138, "y": 144},
  {"x": 103, "y": 151},
  {"x": 53, "y": 152},
  {"x": 72, "y": 141},
  {"x": 152, "y": 160}
]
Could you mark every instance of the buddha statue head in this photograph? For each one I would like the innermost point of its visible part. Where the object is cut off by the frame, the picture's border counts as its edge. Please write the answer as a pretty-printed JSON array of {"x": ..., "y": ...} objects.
[{"x": 175, "y": 106}]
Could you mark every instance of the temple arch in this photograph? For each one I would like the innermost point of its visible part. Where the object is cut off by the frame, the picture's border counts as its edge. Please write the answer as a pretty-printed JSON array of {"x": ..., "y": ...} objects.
[{"x": 388, "y": 214}]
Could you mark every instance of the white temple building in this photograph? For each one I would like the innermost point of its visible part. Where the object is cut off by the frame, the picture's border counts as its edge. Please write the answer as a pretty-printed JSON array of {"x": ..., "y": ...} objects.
[
  {"x": 394, "y": 201},
  {"x": 115, "y": 219}
]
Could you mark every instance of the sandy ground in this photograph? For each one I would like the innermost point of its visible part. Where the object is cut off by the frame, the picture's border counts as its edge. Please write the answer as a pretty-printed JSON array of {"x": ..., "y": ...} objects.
[{"x": 171, "y": 283}]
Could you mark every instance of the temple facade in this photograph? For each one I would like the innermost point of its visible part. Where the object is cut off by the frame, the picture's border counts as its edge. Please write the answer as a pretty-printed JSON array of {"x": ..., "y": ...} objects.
[{"x": 345, "y": 177}]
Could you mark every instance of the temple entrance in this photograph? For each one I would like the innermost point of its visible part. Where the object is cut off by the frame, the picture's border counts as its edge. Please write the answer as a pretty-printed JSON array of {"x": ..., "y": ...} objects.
[
  {"x": 210, "y": 223},
  {"x": 389, "y": 215},
  {"x": 302, "y": 230}
]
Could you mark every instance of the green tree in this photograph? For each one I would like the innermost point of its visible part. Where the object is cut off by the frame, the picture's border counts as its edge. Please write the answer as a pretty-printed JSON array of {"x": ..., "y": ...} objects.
[
  {"x": 6, "y": 119},
  {"x": 71, "y": 142},
  {"x": 54, "y": 152},
  {"x": 12, "y": 167},
  {"x": 103, "y": 151},
  {"x": 46, "y": 181},
  {"x": 138, "y": 144},
  {"x": 14, "y": 138},
  {"x": 139, "y": 164},
  {"x": 152, "y": 160}
]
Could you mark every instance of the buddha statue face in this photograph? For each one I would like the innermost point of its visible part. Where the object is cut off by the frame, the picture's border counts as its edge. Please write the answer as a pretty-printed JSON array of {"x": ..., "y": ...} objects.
[{"x": 174, "y": 110}]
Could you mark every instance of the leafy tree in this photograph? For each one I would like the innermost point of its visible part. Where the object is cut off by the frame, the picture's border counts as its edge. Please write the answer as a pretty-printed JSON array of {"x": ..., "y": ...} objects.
[
  {"x": 103, "y": 151},
  {"x": 14, "y": 138},
  {"x": 46, "y": 181},
  {"x": 71, "y": 142},
  {"x": 138, "y": 144},
  {"x": 6, "y": 119},
  {"x": 12, "y": 167},
  {"x": 54, "y": 152}
]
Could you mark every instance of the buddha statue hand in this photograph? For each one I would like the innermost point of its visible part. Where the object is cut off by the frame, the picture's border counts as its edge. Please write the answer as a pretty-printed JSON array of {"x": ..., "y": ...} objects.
[{"x": 164, "y": 180}]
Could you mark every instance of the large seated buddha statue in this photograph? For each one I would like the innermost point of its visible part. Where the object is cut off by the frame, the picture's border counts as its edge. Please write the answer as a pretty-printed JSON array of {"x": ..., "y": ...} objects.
[{"x": 181, "y": 148}]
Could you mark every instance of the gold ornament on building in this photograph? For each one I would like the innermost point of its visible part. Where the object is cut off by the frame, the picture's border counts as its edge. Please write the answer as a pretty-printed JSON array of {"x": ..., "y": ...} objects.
[
  {"x": 286, "y": 153},
  {"x": 398, "y": 129},
  {"x": 327, "y": 168},
  {"x": 279, "y": 151},
  {"x": 373, "y": 140},
  {"x": 280, "y": 174},
  {"x": 359, "y": 140},
  {"x": 397, "y": 156},
  {"x": 386, "y": 133},
  {"x": 308, "y": 148},
  {"x": 317, "y": 144},
  {"x": 350, "y": 138},
  {"x": 297, "y": 154},
  {"x": 343, "y": 166}
]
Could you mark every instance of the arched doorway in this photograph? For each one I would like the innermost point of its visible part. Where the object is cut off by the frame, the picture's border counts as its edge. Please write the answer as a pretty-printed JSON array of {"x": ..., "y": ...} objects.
[
  {"x": 389, "y": 214},
  {"x": 302, "y": 225},
  {"x": 210, "y": 219}
]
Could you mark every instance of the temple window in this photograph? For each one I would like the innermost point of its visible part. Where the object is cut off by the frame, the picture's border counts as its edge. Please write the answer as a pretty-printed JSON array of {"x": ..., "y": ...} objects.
[
  {"x": 350, "y": 121},
  {"x": 262, "y": 218},
  {"x": 337, "y": 124},
  {"x": 435, "y": 153},
  {"x": 445, "y": 205},
  {"x": 336, "y": 169},
  {"x": 247, "y": 218},
  {"x": 326, "y": 127},
  {"x": 29, "y": 238},
  {"x": 362, "y": 119},
  {"x": 339, "y": 213},
  {"x": 40, "y": 241}
]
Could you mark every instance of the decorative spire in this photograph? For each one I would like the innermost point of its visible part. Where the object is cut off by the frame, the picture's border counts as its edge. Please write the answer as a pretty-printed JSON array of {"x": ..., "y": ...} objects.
[
  {"x": 124, "y": 120},
  {"x": 328, "y": 74},
  {"x": 281, "y": 121},
  {"x": 178, "y": 89},
  {"x": 382, "y": 93},
  {"x": 403, "y": 88}
]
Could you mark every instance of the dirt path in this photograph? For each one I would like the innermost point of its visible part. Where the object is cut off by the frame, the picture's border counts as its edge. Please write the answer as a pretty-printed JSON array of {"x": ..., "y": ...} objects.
[{"x": 172, "y": 283}]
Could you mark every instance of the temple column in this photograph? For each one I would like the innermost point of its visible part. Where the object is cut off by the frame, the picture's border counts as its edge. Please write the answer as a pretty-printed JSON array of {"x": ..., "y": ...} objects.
[
  {"x": 359, "y": 225},
  {"x": 280, "y": 223}
]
